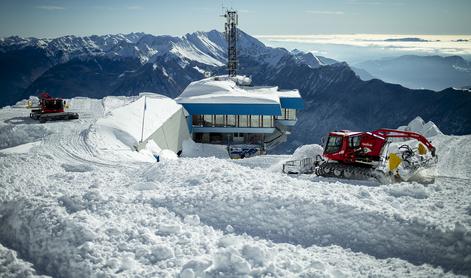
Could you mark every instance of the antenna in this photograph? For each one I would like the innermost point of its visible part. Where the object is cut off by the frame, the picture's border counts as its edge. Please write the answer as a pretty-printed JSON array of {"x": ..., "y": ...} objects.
[{"x": 231, "y": 38}]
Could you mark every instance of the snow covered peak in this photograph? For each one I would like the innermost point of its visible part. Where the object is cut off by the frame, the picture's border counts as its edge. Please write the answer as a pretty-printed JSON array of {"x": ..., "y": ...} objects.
[
  {"x": 203, "y": 47},
  {"x": 307, "y": 58}
]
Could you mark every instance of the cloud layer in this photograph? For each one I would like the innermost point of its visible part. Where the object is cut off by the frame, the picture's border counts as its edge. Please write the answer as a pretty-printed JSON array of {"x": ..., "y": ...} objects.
[{"x": 427, "y": 44}]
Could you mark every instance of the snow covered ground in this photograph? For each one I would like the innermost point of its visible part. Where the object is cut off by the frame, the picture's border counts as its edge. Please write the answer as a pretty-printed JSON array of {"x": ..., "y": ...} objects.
[{"x": 72, "y": 205}]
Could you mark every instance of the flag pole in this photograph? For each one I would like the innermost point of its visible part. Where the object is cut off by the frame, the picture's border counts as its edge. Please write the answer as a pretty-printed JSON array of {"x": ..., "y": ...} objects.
[{"x": 143, "y": 117}]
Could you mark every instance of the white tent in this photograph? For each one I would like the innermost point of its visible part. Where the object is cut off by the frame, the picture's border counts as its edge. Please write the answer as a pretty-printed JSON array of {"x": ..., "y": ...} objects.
[{"x": 151, "y": 117}]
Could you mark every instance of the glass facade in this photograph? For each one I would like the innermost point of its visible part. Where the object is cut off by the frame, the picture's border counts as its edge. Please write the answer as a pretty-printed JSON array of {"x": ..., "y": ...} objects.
[
  {"x": 256, "y": 121},
  {"x": 287, "y": 114},
  {"x": 229, "y": 138}
]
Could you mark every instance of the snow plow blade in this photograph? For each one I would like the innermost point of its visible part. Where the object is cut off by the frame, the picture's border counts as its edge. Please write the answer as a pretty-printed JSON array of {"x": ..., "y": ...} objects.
[{"x": 412, "y": 165}]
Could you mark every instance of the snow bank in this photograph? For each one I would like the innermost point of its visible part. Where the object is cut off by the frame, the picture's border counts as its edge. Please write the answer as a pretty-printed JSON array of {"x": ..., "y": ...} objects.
[
  {"x": 24, "y": 102},
  {"x": 192, "y": 149},
  {"x": 15, "y": 135},
  {"x": 113, "y": 102},
  {"x": 307, "y": 151},
  {"x": 418, "y": 125},
  {"x": 24, "y": 148},
  {"x": 284, "y": 209},
  {"x": 11, "y": 266}
]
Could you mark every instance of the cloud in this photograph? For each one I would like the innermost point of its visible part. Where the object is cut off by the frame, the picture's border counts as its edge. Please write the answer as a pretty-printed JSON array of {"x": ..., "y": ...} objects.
[
  {"x": 432, "y": 44},
  {"x": 325, "y": 12},
  {"x": 51, "y": 8}
]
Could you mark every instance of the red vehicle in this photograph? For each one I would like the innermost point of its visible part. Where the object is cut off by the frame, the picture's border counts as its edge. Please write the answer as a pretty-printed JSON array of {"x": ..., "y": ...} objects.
[
  {"x": 364, "y": 155},
  {"x": 51, "y": 109},
  {"x": 355, "y": 154}
]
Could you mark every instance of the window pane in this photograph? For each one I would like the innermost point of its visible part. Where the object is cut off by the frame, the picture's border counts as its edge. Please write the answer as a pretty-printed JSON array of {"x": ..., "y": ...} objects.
[
  {"x": 231, "y": 120},
  {"x": 197, "y": 120},
  {"x": 208, "y": 120},
  {"x": 283, "y": 113},
  {"x": 292, "y": 114},
  {"x": 243, "y": 121},
  {"x": 219, "y": 120},
  {"x": 254, "y": 121},
  {"x": 267, "y": 121}
]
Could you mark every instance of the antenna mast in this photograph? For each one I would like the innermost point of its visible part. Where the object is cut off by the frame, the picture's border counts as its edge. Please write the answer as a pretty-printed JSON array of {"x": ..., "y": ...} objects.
[{"x": 231, "y": 38}]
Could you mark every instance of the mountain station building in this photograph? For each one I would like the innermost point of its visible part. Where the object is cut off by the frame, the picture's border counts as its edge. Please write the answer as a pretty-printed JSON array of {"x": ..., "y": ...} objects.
[{"x": 228, "y": 111}]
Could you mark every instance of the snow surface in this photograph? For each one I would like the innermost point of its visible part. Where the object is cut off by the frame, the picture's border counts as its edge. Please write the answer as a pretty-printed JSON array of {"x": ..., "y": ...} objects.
[
  {"x": 224, "y": 90},
  {"x": 428, "y": 129},
  {"x": 74, "y": 206},
  {"x": 12, "y": 266}
]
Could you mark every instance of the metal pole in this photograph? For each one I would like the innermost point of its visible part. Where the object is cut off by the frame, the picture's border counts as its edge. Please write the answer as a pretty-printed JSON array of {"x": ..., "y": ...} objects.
[{"x": 143, "y": 117}]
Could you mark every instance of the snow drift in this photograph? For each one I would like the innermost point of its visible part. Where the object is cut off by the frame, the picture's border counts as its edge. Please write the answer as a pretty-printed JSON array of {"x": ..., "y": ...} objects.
[{"x": 76, "y": 206}]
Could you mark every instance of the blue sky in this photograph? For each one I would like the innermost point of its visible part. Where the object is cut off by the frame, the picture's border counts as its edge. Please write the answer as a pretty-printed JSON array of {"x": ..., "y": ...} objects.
[{"x": 52, "y": 18}]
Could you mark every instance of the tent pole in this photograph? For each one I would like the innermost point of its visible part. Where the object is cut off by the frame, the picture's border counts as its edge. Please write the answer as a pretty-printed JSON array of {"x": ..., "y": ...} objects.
[{"x": 143, "y": 117}]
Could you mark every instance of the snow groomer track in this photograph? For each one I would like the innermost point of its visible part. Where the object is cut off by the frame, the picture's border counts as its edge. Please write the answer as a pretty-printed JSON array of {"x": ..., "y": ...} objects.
[{"x": 77, "y": 201}]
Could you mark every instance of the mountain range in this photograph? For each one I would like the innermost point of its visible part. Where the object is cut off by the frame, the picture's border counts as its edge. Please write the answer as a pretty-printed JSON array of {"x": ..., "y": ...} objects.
[
  {"x": 335, "y": 96},
  {"x": 429, "y": 72}
]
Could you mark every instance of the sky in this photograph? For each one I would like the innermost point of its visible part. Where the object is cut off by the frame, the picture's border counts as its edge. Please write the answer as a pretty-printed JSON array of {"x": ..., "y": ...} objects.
[{"x": 52, "y": 18}]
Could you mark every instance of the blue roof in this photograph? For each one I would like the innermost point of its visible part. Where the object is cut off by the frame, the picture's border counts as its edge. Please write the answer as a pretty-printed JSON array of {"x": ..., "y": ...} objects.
[{"x": 292, "y": 103}]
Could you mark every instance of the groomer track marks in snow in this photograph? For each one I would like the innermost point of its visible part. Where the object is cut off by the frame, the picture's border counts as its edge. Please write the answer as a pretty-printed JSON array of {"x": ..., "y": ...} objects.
[{"x": 125, "y": 215}]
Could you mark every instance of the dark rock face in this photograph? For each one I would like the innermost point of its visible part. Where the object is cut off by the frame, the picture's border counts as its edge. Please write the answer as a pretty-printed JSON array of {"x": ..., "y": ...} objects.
[
  {"x": 335, "y": 97},
  {"x": 18, "y": 69}
]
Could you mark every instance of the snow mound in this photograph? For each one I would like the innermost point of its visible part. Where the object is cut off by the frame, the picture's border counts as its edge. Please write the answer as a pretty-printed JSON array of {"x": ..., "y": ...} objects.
[
  {"x": 24, "y": 148},
  {"x": 12, "y": 266},
  {"x": 15, "y": 135},
  {"x": 307, "y": 151},
  {"x": 418, "y": 125},
  {"x": 113, "y": 102},
  {"x": 289, "y": 210},
  {"x": 192, "y": 149},
  {"x": 24, "y": 102}
]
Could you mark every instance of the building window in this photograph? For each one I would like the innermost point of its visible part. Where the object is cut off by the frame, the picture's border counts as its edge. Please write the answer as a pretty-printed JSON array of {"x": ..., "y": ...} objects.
[
  {"x": 292, "y": 114},
  {"x": 238, "y": 138},
  {"x": 287, "y": 114},
  {"x": 197, "y": 120},
  {"x": 267, "y": 121},
  {"x": 243, "y": 121},
  {"x": 208, "y": 120},
  {"x": 219, "y": 120},
  {"x": 254, "y": 121},
  {"x": 231, "y": 121}
]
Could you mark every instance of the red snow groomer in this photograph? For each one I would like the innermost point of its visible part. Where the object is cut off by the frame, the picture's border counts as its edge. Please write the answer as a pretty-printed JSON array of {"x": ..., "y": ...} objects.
[
  {"x": 51, "y": 109},
  {"x": 378, "y": 154}
]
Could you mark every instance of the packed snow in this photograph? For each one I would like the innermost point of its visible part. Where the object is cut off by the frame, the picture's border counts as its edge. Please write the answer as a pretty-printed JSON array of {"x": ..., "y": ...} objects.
[
  {"x": 75, "y": 205},
  {"x": 221, "y": 89}
]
